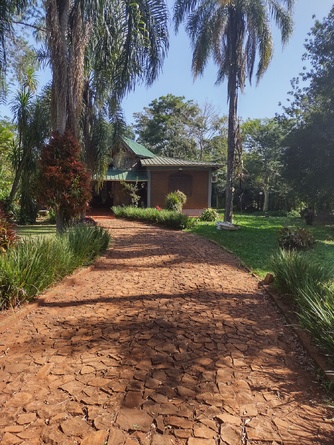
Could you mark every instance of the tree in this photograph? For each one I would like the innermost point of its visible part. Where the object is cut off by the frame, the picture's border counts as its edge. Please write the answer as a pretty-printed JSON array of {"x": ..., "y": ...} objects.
[
  {"x": 103, "y": 47},
  {"x": 165, "y": 126},
  {"x": 31, "y": 116},
  {"x": 64, "y": 182},
  {"x": 8, "y": 9},
  {"x": 7, "y": 143},
  {"x": 236, "y": 34},
  {"x": 263, "y": 141},
  {"x": 309, "y": 156},
  {"x": 175, "y": 127}
]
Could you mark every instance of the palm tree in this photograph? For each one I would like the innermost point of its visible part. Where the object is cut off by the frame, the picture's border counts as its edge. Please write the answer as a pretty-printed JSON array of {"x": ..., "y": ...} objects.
[
  {"x": 235, "y": 33},
  {"x": 102, "y": 48},
  {"x": 8, "y": 8}
]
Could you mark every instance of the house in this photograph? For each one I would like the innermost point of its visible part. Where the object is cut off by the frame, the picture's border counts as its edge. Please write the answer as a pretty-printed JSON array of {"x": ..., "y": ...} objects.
[{"x": 156, "y": 176}]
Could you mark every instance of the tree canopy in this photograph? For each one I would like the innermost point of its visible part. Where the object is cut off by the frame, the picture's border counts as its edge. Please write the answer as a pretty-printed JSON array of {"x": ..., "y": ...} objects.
[
  {"x": 309, "y": 157},
  {"x": 175, "y": 127}
]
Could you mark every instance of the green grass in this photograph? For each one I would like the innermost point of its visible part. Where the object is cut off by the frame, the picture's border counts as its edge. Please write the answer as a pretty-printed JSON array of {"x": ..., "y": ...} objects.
[
  {"x": 36, "y": 230},
  {"x": 256, "y": 241}
]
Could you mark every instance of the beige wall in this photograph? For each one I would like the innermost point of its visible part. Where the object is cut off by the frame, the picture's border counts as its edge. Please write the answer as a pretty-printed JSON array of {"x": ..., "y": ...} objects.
[{"x": 199, "y": 195}]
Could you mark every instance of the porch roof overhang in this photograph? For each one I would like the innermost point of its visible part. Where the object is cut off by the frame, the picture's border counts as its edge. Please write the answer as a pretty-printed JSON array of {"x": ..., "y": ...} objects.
[{"x": 126, "y": 175}]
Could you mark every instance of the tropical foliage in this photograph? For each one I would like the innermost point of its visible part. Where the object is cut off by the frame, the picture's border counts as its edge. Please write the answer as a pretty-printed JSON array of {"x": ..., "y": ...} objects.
[{"x": 7, "y": 232}]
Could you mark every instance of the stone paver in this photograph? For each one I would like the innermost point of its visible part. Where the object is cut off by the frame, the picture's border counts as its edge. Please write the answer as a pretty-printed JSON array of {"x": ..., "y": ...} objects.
[{"x": 164, "y": 341}]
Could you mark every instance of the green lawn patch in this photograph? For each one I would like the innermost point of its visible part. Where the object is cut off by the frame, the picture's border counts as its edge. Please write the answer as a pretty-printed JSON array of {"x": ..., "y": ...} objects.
[
  {"x": 36, "y": 230},
  {"x": 253, "y": 243},
  {"x": 257, "y": 241}
]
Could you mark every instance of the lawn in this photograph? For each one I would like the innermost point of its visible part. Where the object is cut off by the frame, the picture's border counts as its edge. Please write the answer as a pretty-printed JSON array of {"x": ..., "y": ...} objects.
[
  {"x": 36, "y": 230},
  {"x": 256, "y": 240}
]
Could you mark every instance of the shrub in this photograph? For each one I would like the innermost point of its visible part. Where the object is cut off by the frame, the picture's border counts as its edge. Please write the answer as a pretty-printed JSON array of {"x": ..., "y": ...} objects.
[
  {"x": 7, "y": 232},
  {"x": 36, "y": 262},
  {"x": 86, "y": 241},
  {"x": 63, "y": 181},
  {"x": 209, "y": 215},
  {"x": 296, "y": 238},
  {"x": 293, "y": 271},
  {"x": 294, "y": 214},
  {"x": 309, "y": 283},
  {"x": 171, "y": 219},
  {"x": 317, "y": 316},
  {"x": 175, "y": 201}
]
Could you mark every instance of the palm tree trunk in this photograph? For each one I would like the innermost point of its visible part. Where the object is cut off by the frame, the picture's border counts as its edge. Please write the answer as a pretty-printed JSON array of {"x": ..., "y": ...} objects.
[
  {"x": 56, "y": 24},
  {"x": 232, "y": 143}
]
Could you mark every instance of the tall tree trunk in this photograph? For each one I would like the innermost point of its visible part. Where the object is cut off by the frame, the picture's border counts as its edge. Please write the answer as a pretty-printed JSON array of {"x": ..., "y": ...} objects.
[
  {"x": 60, "y": 223},
  {"x": 18, "y": 175},
  {"x": 266, "y": 190},
  {"x": 232, "y": 143},
  {"x": 235, "y": 44},
  {"x": 57, "y": 13}
]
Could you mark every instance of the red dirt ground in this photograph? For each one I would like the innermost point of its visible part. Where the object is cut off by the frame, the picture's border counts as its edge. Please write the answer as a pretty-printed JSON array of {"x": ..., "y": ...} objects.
[{"x": 163, "y": 341}]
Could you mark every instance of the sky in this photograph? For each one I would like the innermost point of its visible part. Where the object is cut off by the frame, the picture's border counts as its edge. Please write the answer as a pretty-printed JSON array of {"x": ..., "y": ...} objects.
[{"x": 258, "y": 101}]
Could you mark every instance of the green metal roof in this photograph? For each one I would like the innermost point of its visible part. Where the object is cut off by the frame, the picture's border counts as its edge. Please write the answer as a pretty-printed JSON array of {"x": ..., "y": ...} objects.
[
  {"x": 138, "y": 149},
  {"x": 126, "y": 175},
  {"x": 161, "y": 161}
]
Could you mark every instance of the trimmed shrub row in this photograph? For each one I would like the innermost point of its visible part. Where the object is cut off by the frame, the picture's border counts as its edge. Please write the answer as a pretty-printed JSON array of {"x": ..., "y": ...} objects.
[{"x": 171, "y": 219}]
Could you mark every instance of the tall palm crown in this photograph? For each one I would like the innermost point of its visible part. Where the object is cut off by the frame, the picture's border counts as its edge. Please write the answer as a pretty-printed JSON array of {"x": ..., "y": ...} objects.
[
  {"x": 237, "y": 34},
  {"x": 111, "y": 43}
]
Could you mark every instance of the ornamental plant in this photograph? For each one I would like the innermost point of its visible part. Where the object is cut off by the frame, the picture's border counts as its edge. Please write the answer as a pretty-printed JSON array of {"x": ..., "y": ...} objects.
[
  {"x": 7, "y": 232},
  {"x": 64, "y": 181},
  {"x": 209, "y": 214},
  {"x": 295, "y": 238},
  {"x": 175, "y": 201}
]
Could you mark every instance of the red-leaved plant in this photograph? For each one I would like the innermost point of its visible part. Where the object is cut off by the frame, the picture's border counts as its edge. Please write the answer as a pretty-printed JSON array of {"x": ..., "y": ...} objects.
[{"x": 64, "y": 181}]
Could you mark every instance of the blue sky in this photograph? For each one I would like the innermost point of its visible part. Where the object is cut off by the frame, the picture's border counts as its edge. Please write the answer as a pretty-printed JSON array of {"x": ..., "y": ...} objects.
[{"x": 259, "y": 101}]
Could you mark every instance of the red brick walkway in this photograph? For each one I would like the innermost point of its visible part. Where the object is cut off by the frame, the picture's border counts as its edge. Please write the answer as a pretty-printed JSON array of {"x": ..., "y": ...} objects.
[{"x": 164, "y": 341}]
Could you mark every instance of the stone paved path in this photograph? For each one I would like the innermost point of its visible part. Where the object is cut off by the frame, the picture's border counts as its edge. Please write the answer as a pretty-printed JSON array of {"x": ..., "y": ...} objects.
[{"x": 164, "y": 341}]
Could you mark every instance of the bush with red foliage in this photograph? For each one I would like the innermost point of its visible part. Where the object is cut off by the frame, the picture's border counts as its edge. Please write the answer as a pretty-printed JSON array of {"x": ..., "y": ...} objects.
[
  {"x": 7, "y": 232},
  {"x": 64, "y": 181}
]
